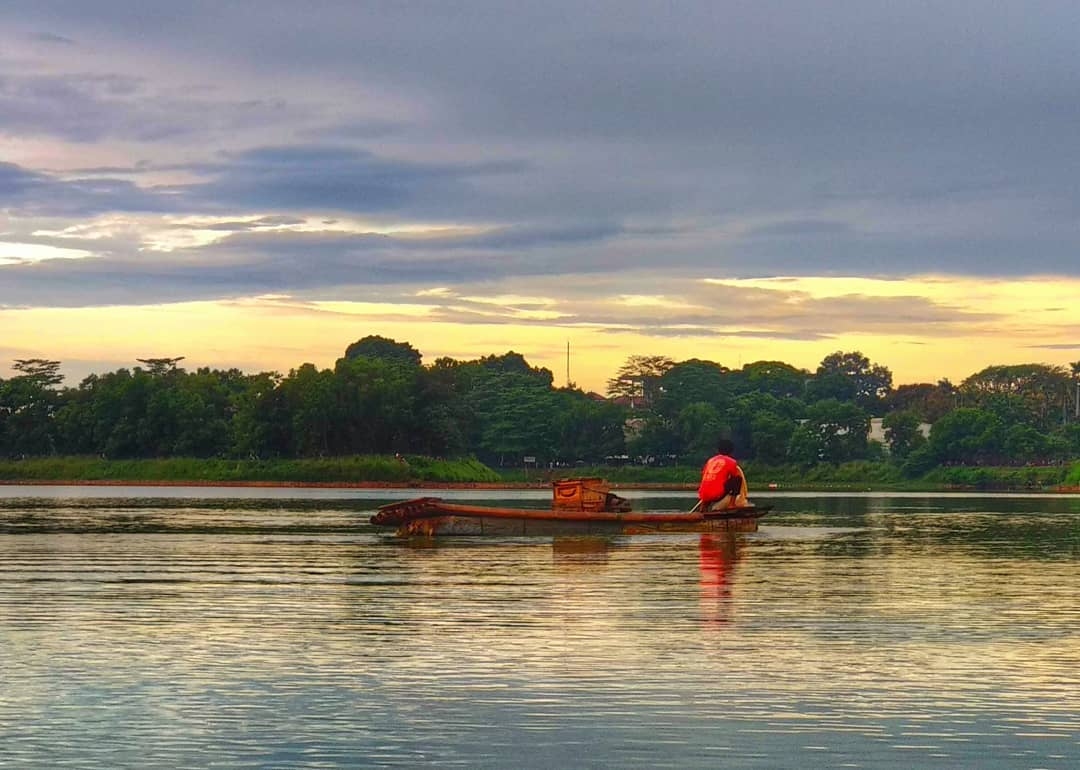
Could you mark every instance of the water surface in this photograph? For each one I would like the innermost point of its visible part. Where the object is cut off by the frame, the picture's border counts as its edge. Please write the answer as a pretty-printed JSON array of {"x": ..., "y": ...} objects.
[{"x": 187, "y": 627}]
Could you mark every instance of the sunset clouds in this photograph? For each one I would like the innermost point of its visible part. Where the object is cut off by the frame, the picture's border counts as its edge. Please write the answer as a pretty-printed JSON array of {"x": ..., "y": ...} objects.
[{"x": 735, "y": 181}]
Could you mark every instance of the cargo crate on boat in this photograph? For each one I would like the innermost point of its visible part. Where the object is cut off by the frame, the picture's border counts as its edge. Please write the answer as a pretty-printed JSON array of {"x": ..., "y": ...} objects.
[{"x": 588, "y": 494}]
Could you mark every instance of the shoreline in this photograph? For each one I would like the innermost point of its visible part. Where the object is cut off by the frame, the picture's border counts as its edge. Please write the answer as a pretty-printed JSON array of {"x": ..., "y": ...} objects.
[
  {"x": 272, "y": 484},
  {"x": 495, "y": 485},
  {"x": 479, "y": 485}
]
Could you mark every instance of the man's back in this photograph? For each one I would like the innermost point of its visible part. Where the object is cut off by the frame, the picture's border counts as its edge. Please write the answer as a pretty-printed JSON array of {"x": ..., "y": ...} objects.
[{"x": 715, "y": 475}]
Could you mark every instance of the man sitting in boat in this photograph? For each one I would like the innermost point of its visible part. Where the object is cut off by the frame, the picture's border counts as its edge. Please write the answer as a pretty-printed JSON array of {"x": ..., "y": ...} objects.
[{"x": 723, "y": 485}]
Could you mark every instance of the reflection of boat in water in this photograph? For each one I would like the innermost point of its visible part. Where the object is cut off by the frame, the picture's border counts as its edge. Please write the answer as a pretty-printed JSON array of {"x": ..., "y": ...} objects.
[{"x": 579, "y": 507}]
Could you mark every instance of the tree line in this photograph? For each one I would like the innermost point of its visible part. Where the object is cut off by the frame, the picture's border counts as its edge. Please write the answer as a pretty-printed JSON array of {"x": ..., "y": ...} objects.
[{"x": 380, "y": 398}]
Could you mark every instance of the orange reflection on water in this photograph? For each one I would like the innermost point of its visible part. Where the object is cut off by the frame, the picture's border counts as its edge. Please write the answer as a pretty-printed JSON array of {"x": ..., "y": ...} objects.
[{"x": 717, "y": 557}]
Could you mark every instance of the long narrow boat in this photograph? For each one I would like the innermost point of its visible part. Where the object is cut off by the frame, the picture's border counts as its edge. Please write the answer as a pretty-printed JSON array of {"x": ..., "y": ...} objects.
[{"x": 579, "y": 507}]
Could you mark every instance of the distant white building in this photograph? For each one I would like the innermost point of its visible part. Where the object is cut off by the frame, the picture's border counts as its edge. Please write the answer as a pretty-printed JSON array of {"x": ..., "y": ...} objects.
[{"x": 877, "y": 430}]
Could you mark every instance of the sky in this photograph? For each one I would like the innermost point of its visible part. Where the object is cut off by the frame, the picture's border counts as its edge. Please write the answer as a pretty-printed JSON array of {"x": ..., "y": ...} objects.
[{"x": 257, "y": 183}]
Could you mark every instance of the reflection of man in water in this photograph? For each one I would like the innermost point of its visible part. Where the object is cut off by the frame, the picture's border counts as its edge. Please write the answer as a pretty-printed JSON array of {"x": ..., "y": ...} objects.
[
  {"x": 723, "y": 484},
  {"x": 717, "y": 556}
]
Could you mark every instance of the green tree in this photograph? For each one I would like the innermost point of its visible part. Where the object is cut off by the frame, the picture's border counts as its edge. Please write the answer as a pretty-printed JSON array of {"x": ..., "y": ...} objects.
[
  {"x": 685, "y": 383},
  {"x": 850, "y": 377},
  {"x": 1070, "y": 440},
  {"x": 1074, "y": 368},
  {"x": 967, "y": 435},
  {"x": 655, "y": 441},
  {"x": 833, "y": 432},
  {"x": 41, "y": 372},
  {"x": 114, "y": 404},
  {"x": 262, "y": 422},
  {"x": 698, "y": 427},
  {"x": 806, "y": 448},
  {"x": 160, "y": 367},
  {"x": 638, "y": 380},
  {"x": 203, "y": 407},
  {"x": 776, "y": 378},
  {"x": 513, "y": 416},
  {"x": 1033, "y": 393},
  {"x": 902, "y": 433},
  {"x": 746, "y": 415},
  {"x": 515, "y": 363},
  {"x": 771, "y": 436},
  {"x": 385, "y": 349},
  {"x": 585, "y": 428},
  {"x": 930, "y": 402},
  {"x": 28, "y": 405},
  {"x": 449, "y": 425},
  {"x": 161, "y": 411},
  {"x": 311, "y": 395},
  {"x": 377, "y": 403},
  {"x": 1023, "y": 443},
  {"x": 466, "y": 403}
]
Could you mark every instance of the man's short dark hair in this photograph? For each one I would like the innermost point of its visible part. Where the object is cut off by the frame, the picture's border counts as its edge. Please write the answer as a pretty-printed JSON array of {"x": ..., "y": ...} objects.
[{"x": 725, "y": 446}]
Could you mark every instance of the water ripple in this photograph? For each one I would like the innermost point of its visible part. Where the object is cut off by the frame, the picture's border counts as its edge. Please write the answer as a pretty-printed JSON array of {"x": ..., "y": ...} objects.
[{"x": 192, "y": 634}]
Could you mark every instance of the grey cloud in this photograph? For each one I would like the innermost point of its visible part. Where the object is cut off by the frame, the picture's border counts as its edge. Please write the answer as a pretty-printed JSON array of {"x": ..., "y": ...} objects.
[
  {"x": 86, "y": 107},
  {"x": 258, "y": 262},
  {"x": 248, "y": 225},
  {"x": 16, "y": 181},
  {"x": 80, "y": 108},
  {"x": 529, "y": 236},
  {"x": 697, "y": 310},
  {"x": 308, "y": 178},
  {"x": 426, "y": 247},
  {"x": 680, "y": 332},
  {"x": 362, "y": 130},
  {"x": 244, "y": 263},
  {"x": 886, "y": 139},
  {"x": 48, "y": 37},
  {"x": 35, "y": 194},
  {"x": 90, "y": 282},
  {"x": 801, "y": 228},
  {"x": 290, "y": 243},
  {"x": 321, "y": 178},
  {"x": 893, "y": 255}
]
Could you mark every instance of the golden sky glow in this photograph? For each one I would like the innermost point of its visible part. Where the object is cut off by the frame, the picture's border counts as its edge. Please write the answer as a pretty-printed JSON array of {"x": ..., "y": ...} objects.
[{"x": 1014, "y": 322}]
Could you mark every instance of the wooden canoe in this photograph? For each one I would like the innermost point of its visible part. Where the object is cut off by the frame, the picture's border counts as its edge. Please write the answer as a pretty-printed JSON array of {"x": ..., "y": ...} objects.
[{"x": 432, "y": 516}]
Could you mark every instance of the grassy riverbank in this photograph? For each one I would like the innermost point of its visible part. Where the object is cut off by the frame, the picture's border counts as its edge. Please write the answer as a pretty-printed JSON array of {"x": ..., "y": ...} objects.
[
  {"x": 353, "y": 470},
  {"x": 426, "y": 471}
]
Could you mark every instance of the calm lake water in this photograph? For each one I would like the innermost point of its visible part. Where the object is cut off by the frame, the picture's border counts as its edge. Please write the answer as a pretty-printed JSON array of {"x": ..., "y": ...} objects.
[{"x": 195, "y": 628}]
